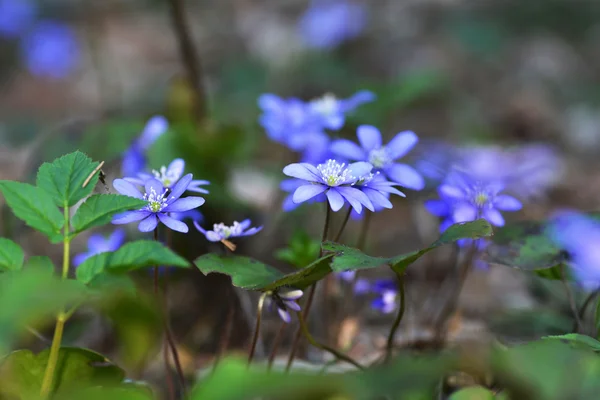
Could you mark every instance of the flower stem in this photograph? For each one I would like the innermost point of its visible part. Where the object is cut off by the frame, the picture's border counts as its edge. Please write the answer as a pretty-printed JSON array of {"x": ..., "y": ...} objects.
[
  {"x": 571, "y": 299},
  {"x": 346, "y": 218},
  {"x": 276, "y": 343},
  {"x": 364, "y": 229},
  {"x": 390, "y": 340},
  {"x": 61, "y": 318},
  {"x": 259, "y": 308},
  {"x": 311, "y": 295},
  {"x": 324, "y": 347},
  {"x": 584, "y": 306},
  {"x": 226, "y": 335}
]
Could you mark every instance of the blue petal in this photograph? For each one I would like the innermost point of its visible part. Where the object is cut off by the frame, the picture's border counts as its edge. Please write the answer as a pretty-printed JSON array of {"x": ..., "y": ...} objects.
[
  {"x": 354, "y": 194},
  {"x": 245, "y": 224},
  {"x": 347, "y": 149},
  {"x": 154, "y": 185},
  {"x": 507, "y": 203},
  {"x": 213, "y": 236},
  {"x": 358, "y": 170},
  {"x": 302, "y": 171},
  {"x": 406, "y": 176},
  {"x": 377, "y": 198},
  {"x": 306, "y": 192},
  {"x": 401, "y": 144},
  {"x": 116, "y": 239},
  {"x": 186, "y": 204},
  {"x": 464, "y": 212},
  {"x": 154, "y": 128},
  {"x": 148, "y": 224},
  {"x": 173, "y": 223},
  {"x": 129, "y": 216},
  {"x": 285, "y": 316},
  {"x": 369, "y": 137},
  {"x": 127, "y": 188},
  {"x": 439, "y": 208},
  {"x": 252, "y": 231},
  {"x": 133, "y": 161},
  {"x": 180, "y": 187},
  {"x": 292, "y": 305},
  {"x": 80, "y": 258},
  {"x": 494, "y": 217},
  {"x": 201, "y": 229},
  {"x": 176, "y": 168},
  {"x": 336, "y": 201}
]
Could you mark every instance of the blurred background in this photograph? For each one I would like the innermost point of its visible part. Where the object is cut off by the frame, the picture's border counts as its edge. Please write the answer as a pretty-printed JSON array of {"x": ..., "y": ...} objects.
[{"x": 89, "y": 75}]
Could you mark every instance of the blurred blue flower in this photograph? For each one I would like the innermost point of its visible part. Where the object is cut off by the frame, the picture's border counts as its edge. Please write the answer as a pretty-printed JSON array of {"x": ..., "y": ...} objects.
[
  {"x": 470, "y": 199},
  {"x": 328, "y": 23},
  {"x": 51, "y": 50},
  {"x": 347, "y": 276},
  {"x": 194, "y": 215},
  {"x": 161, "y": 202},
  {"x": 284, "y": 301},
  {"x": 330, "y": 112},
  {"x": 382, "y": 157},
  {"x": 285, "y": 119},
  {"x": 98, "y": 243},
  {"x": 134, "y": 158},
  {"x": 362, "y": 286},
  {"x": 169, "y": 176},
  {"x": 223, "y": 232},
  {"x": 16, "y": 16},
  {"x": 333, "y": 179},
  {"x": 387, "y": 295},
  {"x": 579, "y": 236}
]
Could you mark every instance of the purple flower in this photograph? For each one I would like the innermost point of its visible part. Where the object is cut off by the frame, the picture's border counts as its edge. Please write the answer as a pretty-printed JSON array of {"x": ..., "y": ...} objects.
[
  {"x": 470, "y": 199},
  {"x": 347, "y": 276},
  {"x": 134, "y": 159},
  {"x": 285, "y": 119},
  {"x": 161, "y": 202},
  {"x": 169, "y": 176},
  {"x": 328, "y": 23},
  {"x": 51, "y": 50},
  {"x": 378, "y": 190},
  {"x": 16, "y": 16},
  {"x": 99, "y": 244},
  {"x": 334, "y": 180},
  {"x": 382, "y": 157},
  {"x": 285, "y": 301},
  {"x": 579, "y": 236},
  {"x": 194, "y": 215},
  {"x": 362, "y": 286},
  {"x": 387, "y": 294},
  {"x": 223, "y": 232},
  {"x": 330, "y": 112}
]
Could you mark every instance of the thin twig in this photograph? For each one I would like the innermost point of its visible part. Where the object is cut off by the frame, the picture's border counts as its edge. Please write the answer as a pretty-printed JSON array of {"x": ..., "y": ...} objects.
[
  {"x": 276, "y": 342},
  {"x": 189, "y": 57},
  {"x": 390, "y": 340},
  {"x": 324, "y": 347},
  {"x": 38, "y": 335},
  {"x": 571, "y": 300},
  {"x": 259, "y": 308}
]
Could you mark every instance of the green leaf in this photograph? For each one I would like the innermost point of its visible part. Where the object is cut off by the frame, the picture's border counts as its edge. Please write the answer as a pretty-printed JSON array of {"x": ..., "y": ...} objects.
[
  {"x": 577, "y": 340},
  {"x": 250, "y": 274},
  {"x": 41, "y": 263},
  {"x": 125, "y": 391},
  {"x": 11, "y": 255},
  {"x": 473, "y": 393},
  {"x": 22, "y": 372},
  {"x": 132, "y": 256},
  {"x": 347, "y": 258},
  {"x": 99, "y": 209},
  {"x": 34, "y": 206},
  {"x": 301, "y": 250},
  {"x": 63, "y": 179},
  {"x": 524, "y": 245}
]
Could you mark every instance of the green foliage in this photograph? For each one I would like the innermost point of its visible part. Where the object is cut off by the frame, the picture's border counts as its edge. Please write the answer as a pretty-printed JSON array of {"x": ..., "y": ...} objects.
[
  {"x": 577, "y": 340},
  {"x": 124, "y": 391},
  {"x": 63, "y": 179},
  {"x": 348, "y": 258},
  {"x": 11, "y": 255},
  {"x": 98, "y": 210},
  {"x": 524, "y": 245},
  {"x": 41, "y": 263},
  {"x": 251, "y": 274},
  {"x": 473, "y": 393},
  {"x": 300, "y": 251},
  {"x": 21, "y": 372},
  {"x": 130, "y": 257},
  {"x": 35, "y": 207}
]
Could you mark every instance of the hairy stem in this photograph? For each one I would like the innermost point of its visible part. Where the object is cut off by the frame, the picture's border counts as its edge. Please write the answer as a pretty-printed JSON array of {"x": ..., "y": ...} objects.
[
  {"x": 324, "y": 347},
  {"x": 390, "y": 340},
  {"x": 259, "y": 308},
  {"x": 189, "y": 57},
  {"x": 571, "y": 298},
  {"x": 311, "y": 295},
  {"x": 61, "y": 318}
]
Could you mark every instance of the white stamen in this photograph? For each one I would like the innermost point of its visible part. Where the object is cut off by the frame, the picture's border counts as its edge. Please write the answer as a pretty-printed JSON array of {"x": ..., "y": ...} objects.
[
  {"x": 227, "y": 231},
  {"x": 334, "y": 173},
  {"x": 167, "y": 176},
  {"x": 379, "y": 157},
  {"x": 156, "y": 202}
]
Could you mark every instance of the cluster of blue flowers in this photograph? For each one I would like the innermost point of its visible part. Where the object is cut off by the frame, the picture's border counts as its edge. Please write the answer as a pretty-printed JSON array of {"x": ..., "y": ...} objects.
[{"x": 49, "y": 48}]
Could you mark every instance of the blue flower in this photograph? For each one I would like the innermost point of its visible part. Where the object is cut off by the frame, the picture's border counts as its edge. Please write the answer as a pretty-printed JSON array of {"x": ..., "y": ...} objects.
[
  {"x": 222, "y": 232},
  {"x": 99, "y": 244},
  {"x": 334, "y": 180},
  {"x": 382, "y": 157},
  {"x": 579, "y": 236},
  {"x": 194, "y": 215},
  {"x": 387, "y": 295},
  {"x": 378, "y": 190},
  {"x": 16, "y": 16},
  {"x": 327, "y": 24},
  {"x": 51, "y": 50},
  {"x": 134, "y": 159},
  {"x": 330, "y": 112},
  {"x": 285, "y": 301},
  {"x": 362, "y": 286},
  {"x": 347, "y": 276},
  {"x": 161, "y": 202},
  {"x": 285, "y": 119},
  {"x": 470, "y": 199},
  {"x": 169, "y": 176}
]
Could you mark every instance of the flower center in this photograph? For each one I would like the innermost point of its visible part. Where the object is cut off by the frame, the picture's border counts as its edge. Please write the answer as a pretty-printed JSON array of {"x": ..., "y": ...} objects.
[
  {"x": 226, "y": 231},
  {"x": 389, "y": 297},
  {"x": 481, "y": 199},
  {"x": 166, "y": 176},
  {"x": 379, "y": 158},
  {"x": 334, "y": 173},
  {"x": 156, "y": 202},
  {"x": 364, "y": 180},
  {"x": 325, "y": 105}
]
